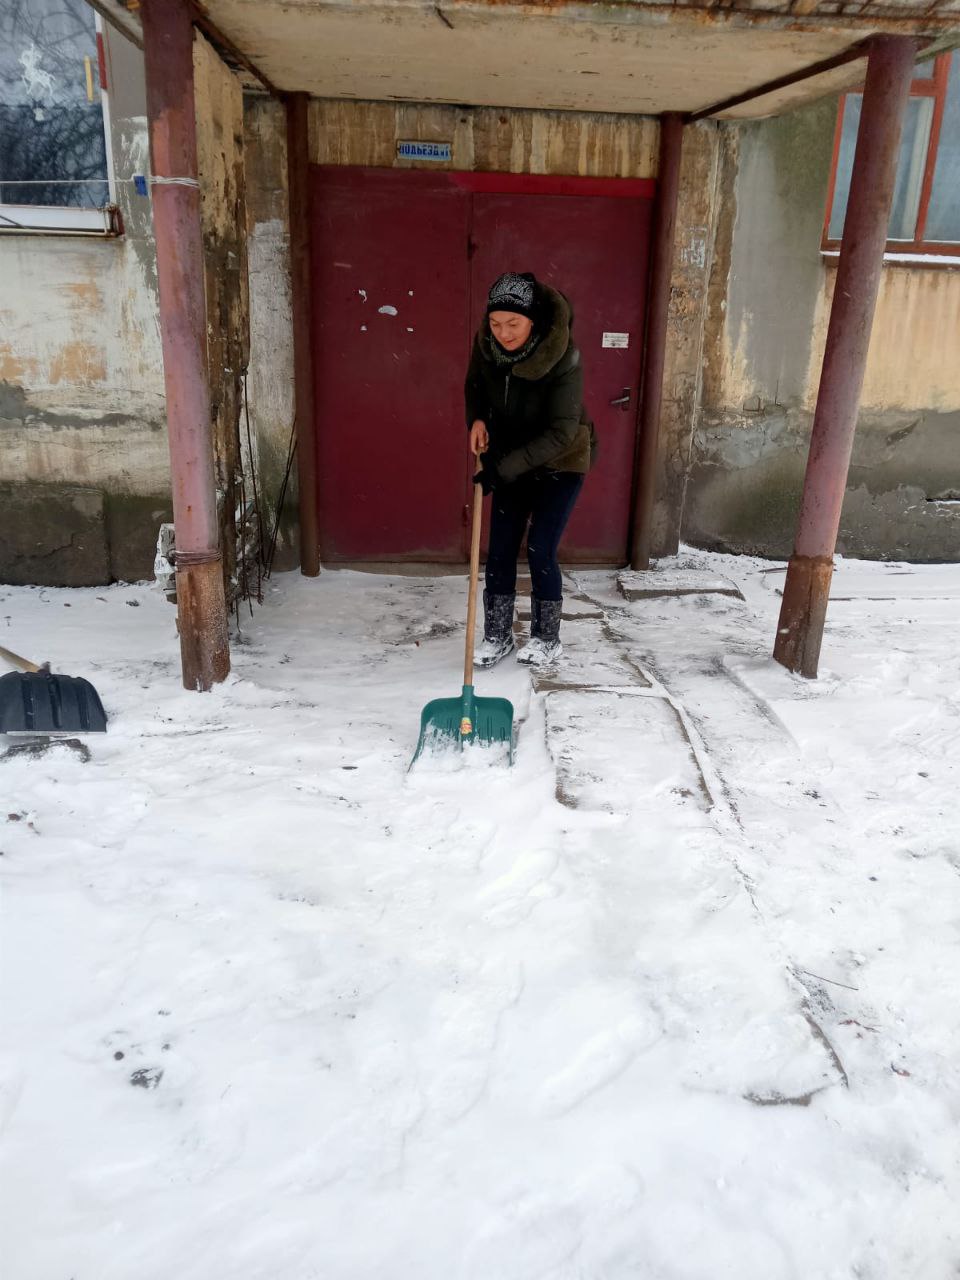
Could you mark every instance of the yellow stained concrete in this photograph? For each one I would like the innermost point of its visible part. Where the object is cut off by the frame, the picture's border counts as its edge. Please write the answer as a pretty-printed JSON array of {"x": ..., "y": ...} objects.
[
  {"x": 80, "y": 329},
  {"x": 77, "y": 363},
  {"x": 913, "y": 360}
]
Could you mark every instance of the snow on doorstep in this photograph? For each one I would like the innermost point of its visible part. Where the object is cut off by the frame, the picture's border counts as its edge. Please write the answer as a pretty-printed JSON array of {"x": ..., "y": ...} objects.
[
  {"x": 672, "y": 999},
  {"x": 669, "y": 581}
]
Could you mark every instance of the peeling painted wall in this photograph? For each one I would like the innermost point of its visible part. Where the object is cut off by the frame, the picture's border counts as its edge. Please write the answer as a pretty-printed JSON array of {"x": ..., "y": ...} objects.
[
  {"x": 484, "y": 138},
  {"x": 84, "y": 462},
  {"x": 768, "y": 266},
  {"x": 768, "y": 309},
  {"x": 683, "y": 363},
  {"x": 81, "y": 382},
  {"x": 270, "y": 380},
  {"x": 220, "y": 160}
]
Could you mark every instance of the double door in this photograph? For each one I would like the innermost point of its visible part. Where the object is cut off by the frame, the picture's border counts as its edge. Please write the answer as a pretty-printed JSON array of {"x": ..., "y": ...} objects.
[{"x": 402, "y": 262}]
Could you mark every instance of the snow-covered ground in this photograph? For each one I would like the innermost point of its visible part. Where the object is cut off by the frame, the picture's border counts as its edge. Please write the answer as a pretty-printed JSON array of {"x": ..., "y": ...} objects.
[{"x": 675, "y": 998}]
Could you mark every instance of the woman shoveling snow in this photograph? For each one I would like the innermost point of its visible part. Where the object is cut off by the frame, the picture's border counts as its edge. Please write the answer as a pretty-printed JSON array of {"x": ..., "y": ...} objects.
[{"x": 524, "y": 403}]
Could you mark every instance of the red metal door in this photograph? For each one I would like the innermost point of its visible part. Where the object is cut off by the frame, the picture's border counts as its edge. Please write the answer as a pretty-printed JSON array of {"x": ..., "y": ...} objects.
[
  {"x": 594, "y": 250},
  {"x": 390, "y": 308},
  {"x": 402, "y": 261}
]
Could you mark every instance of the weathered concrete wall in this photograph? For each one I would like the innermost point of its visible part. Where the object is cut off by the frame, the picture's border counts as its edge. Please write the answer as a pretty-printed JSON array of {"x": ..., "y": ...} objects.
[
  {"x": 220, "y": 161},
  {"x": 485, "y": 138},
  {"x": 683, "y": 367},
  {"x": 81, "y": 385},
  {"x": 913, "y": 359},
  {"x": 270, "y": 379},
  {"x": 83, "y": 444},
  {"x": 768, "y": 309}
]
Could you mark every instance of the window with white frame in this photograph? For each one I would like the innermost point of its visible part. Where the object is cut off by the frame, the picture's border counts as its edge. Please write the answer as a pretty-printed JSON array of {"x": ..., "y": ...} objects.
[
  {"x": 925, "y": 215},
  {"x": 54, "y": 159}
]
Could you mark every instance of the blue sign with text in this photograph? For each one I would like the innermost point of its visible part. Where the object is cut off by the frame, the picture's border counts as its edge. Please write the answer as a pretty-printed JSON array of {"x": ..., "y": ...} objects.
[{"x": 425, "y": 151}]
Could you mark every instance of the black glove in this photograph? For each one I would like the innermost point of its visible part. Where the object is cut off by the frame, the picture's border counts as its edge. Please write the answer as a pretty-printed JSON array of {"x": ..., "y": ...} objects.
[{"x": 487, "y": 477}]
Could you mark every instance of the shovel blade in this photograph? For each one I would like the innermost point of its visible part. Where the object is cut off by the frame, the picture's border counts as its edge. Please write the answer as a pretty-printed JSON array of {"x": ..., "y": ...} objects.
[
  {"x": 40, "y": 702},
  {"x": 457, "y": 722}
]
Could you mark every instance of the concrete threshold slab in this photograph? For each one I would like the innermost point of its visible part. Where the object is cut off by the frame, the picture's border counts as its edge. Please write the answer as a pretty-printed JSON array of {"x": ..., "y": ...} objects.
[{"x": 655, "y": 583}]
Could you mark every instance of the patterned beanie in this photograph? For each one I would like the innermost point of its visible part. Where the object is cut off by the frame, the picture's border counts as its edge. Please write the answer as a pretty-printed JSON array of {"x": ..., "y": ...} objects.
[{"x": 515, "y": 292}]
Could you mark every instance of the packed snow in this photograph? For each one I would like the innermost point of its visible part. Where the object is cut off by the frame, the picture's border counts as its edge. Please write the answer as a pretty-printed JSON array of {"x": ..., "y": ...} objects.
[{"x": 674, "y": 998}]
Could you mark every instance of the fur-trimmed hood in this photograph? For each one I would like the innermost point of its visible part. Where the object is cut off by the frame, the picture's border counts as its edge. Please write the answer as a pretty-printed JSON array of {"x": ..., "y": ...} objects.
[
  {"x": 551, "y": 348},
  {"x": 533, "y": 410}
]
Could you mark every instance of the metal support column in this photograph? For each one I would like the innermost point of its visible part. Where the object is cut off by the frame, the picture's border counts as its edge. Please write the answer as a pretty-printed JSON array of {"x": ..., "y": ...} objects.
[
  {"x": 658, "y": 302},
  {"x": 201, "y": 604},
  {"x": 298, "y": 185},
  {"x": 807, "y": 588}
]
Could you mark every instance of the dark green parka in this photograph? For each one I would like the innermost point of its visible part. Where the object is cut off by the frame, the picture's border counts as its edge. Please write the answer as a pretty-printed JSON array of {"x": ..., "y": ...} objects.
[{"x": 533, "y": 410}]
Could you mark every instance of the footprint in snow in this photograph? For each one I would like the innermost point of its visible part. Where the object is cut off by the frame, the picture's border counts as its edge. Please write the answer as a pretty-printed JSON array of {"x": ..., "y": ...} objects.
[
  {"x": 601, "y": 1060},
  {"x": 534, "y": 1235}
]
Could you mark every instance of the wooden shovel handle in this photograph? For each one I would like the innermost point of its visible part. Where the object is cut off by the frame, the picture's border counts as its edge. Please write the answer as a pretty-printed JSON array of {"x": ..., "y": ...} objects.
[
  {"x": 23, "y": 663},
  {"x": 474, "y": 576}
]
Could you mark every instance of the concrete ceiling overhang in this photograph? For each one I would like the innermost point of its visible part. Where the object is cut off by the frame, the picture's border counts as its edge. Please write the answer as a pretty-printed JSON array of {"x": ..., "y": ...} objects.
[{"x": 624, "y": 56}]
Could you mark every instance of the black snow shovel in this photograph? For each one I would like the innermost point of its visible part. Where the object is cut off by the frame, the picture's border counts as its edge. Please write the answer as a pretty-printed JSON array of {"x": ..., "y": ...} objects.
[{"x": 34, "y": 700}]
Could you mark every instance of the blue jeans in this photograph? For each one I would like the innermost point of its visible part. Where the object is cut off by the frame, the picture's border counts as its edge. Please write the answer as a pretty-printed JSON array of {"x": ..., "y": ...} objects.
[{"x": 543, "y": 500}]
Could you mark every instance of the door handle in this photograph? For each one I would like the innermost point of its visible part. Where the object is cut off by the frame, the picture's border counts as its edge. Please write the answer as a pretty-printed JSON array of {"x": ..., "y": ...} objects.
[{"x": 623, "y": 400}]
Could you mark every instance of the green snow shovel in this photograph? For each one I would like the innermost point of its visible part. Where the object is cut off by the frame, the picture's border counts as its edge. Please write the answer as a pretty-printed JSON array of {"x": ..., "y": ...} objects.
[{"x": 447, "y": 722}]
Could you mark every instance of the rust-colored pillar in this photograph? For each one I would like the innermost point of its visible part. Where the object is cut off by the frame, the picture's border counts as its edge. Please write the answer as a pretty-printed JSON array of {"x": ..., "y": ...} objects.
[
  {"x": 298, "y": 186},
  {"x": 655, "y": 346},
  {"x": 807, "y": 588},
  {"x": 201, "y": 605}
]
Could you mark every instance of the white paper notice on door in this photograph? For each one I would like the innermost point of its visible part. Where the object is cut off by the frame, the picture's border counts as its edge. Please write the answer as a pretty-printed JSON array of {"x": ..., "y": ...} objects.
[{"x": 616, "y": 340}]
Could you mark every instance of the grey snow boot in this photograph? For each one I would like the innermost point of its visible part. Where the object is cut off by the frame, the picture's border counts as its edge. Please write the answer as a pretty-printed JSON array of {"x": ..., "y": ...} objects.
[
  {"x": 497, "y": 630},
  {"x": 544, "y": 644}
]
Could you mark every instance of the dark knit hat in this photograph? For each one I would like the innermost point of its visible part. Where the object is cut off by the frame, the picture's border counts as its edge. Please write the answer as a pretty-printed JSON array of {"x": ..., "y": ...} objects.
[{"x": 517, "y": 292}]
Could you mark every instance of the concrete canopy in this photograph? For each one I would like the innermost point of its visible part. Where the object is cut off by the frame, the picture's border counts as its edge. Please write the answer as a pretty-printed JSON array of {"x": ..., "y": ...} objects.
[{"x": 620, "y": 56}]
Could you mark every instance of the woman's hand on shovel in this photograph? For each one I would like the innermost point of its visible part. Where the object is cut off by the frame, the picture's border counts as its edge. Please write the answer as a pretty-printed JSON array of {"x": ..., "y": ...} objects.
[
  {"x": 486, "y": 474},
  {"x": 479, "y": 439}
]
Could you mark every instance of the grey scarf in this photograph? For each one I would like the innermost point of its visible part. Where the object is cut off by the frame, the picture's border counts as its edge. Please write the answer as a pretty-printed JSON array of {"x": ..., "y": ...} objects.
[{"x": 503, "y": 357}]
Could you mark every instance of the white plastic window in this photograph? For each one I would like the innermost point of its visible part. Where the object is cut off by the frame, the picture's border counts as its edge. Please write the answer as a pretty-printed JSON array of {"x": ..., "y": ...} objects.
[{"x": 54, "y": 167}]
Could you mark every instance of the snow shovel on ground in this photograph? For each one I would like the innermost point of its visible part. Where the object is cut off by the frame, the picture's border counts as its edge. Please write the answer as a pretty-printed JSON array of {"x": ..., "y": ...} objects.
[
  {"x": 460, "y": 721},
  {"x": 34, "y": 700}
]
